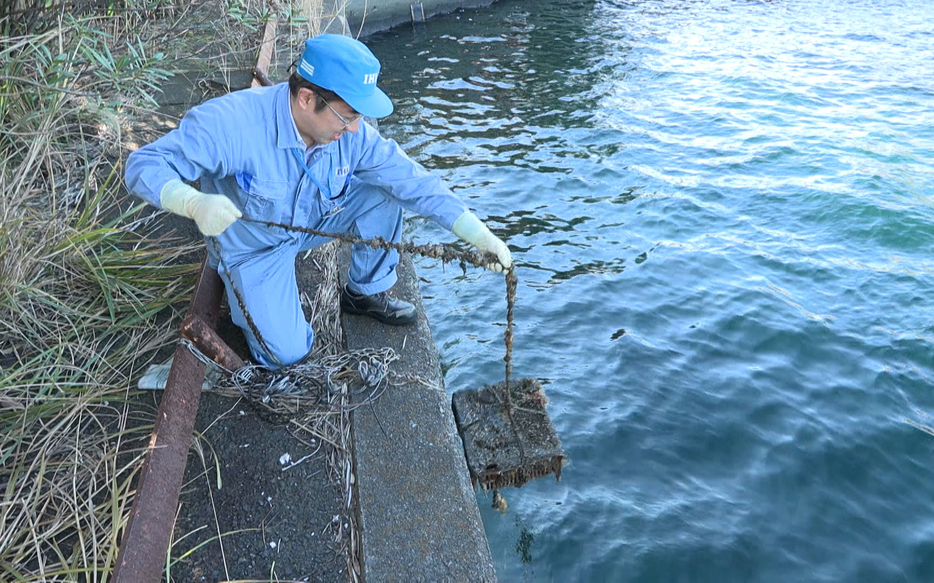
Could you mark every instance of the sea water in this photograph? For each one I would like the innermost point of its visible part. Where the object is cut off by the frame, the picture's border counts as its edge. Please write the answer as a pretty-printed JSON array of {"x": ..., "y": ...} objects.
[{"x": 722, "y": 213}]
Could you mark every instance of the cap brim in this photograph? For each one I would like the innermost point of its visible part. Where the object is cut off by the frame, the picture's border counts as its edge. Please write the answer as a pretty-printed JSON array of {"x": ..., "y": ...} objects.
[{"x": 376, "y": 105}]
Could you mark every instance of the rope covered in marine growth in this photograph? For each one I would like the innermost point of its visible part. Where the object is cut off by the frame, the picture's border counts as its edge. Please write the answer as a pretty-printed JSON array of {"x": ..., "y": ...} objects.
[
  {"x": 445, "y": 253},
  {"x": 280, "y": 391}
]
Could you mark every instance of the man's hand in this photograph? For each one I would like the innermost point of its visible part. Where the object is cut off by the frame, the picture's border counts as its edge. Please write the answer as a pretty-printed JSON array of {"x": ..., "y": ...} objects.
[
  {"x": 213, "y": 213},
  {"x": 471, "y": 229}
]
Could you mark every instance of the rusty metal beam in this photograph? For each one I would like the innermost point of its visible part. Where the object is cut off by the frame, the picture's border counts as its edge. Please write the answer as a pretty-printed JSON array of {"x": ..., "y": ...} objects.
[
  {"x": 152, "y": 517},
  {"x": 260, "y": 79},
  {"x": 205, "y": 339}
]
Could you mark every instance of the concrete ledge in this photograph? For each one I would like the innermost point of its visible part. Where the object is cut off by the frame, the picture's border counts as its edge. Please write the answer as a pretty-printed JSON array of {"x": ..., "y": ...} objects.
[
  {"x": 419, "y": 519},
  {"x": 369, "y": 16}
]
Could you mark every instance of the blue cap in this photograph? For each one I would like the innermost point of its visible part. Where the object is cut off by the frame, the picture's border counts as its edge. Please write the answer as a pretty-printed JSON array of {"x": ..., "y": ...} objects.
[{"x": 345, "y": 66}]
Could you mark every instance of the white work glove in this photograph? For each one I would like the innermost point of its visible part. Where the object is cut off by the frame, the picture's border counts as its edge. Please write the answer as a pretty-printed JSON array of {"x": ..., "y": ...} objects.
[
  {"x": 213, "y": 213},
  {"x": 471, "y": 229}
]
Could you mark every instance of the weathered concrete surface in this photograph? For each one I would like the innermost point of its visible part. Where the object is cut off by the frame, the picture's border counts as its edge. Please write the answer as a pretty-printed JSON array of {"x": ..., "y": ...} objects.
[
  {"x": 369, "y": 16},
  {"x": 419, "y": 519},
  {"x": 278, "y": 524}
]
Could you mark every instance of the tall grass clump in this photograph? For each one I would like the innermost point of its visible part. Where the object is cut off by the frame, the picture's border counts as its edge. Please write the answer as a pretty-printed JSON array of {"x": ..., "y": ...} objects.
[
  {"x": 85, "y": 299},
  {"x": 19, "y": 17}
]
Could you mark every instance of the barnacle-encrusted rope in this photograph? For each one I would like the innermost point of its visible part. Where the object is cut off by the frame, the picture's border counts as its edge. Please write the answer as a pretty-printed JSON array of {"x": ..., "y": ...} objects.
[
  {"x": 443, "y": 252},
  {"x": 329, "y": 371}
]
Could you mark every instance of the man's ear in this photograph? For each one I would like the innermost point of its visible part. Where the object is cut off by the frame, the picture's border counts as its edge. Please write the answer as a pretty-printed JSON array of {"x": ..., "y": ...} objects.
[{"x": 306, "y": 97}]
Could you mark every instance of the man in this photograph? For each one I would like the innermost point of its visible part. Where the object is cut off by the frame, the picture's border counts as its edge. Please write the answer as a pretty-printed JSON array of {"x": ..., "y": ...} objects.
[{"x": 299, "y": 154}]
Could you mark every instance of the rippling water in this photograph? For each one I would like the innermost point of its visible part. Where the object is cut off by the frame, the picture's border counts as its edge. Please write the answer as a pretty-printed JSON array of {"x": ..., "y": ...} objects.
[{"x": 722, "y": 216}]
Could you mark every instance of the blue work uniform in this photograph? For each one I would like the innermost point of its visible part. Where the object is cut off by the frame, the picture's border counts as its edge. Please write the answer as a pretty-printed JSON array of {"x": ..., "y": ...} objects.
[{"x": 246, "y": 146}]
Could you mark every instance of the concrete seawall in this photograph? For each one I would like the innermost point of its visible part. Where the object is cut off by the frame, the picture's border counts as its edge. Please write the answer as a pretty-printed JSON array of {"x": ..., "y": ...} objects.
[
  {"x": 365, "y": 17},
  {"x": 415, "y": 507},
  {"x": 417, "y": 511}
]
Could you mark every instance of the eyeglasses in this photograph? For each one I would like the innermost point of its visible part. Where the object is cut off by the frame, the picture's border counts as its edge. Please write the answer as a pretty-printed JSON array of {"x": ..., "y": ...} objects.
[{"x": 343, "y": 119}]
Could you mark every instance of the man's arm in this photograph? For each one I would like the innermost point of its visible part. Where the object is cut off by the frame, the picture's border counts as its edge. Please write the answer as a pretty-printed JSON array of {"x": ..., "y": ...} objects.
[
  {"x": 193, "y": 150},
  {"x": 382, "y": 162}
]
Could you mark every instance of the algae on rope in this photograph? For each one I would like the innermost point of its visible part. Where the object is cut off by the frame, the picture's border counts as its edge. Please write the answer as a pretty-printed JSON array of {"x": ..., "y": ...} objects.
[{"x": 508, "y": 437}]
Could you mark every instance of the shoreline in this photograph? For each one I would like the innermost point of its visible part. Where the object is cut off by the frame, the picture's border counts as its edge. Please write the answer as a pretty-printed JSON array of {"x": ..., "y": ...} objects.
[{"x": 239, "y": 521}]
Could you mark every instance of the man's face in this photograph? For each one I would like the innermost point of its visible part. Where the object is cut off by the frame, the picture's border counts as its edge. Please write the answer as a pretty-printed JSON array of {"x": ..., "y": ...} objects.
[{"x": 325, "y": 126}]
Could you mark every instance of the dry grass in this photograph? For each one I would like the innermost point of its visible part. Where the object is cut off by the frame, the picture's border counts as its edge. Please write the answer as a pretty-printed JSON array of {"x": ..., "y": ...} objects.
[{"x": 83, "y": 300}]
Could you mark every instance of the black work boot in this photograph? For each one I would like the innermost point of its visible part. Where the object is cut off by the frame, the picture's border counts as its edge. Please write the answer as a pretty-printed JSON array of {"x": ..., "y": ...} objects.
[{"x": 381, "y": 306}]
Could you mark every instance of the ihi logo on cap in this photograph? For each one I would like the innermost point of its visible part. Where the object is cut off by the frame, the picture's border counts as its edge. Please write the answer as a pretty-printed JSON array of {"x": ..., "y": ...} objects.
[{"x": 370, "y": 79}]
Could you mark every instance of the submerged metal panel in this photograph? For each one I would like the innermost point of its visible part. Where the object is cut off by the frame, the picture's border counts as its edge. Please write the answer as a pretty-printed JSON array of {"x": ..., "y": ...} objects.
[{"x": 508, "y": 437}]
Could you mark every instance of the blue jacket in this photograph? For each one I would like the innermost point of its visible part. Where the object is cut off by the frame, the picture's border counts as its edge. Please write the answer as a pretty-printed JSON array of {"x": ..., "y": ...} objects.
[{"x": 244, "y": 145}]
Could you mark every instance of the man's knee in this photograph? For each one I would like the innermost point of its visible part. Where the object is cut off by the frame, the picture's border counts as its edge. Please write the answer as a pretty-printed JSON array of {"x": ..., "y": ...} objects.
[
  {"x": 383, "y": 220},
  {"x": 279, "y": 349}
]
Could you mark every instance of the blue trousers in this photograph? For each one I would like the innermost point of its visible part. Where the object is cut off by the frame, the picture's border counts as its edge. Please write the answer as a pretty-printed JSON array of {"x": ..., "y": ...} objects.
[{"x": 265, "y": 276}]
